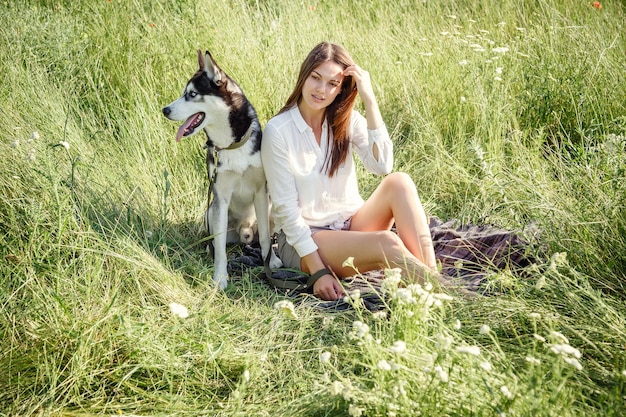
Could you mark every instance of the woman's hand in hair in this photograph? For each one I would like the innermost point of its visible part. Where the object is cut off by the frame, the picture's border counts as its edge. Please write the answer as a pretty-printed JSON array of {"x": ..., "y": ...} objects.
[
  {"x": 363, "y": 81},
  {"x": 364, "y": 86}
]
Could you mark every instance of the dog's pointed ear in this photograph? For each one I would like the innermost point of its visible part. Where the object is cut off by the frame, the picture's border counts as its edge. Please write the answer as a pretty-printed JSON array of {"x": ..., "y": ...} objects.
[{"x": 208, "y": 65}]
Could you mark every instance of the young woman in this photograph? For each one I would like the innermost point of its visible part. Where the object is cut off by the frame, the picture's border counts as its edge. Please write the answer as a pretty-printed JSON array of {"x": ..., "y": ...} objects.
[{"x": 307, "y": 155}]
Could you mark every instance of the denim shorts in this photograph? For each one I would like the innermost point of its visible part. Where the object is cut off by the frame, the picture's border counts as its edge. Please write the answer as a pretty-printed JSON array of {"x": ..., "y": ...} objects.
[{"x": 288, "y": 254}]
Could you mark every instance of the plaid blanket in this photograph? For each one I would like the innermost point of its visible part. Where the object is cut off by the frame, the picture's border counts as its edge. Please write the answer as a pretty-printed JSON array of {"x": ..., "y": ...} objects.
[{"x": 468, "y": 254}]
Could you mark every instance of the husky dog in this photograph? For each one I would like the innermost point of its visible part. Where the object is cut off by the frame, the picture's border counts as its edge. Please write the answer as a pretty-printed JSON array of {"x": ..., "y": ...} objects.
[{"x": 213, "y": 102}]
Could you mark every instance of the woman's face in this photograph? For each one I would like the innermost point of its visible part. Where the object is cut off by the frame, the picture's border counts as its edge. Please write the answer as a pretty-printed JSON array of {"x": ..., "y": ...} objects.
[{"x": 322, "y": 86}]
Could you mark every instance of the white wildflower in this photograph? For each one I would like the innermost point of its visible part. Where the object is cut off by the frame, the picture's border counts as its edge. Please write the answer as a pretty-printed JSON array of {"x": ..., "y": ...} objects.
[
  {"x": 486, "y": 366},
  {"x": 360, "y": 329},
  {"x": 179, "y": 310},
  {"x": 398, "y": 347},
  {"x": 484, "y": 329},
  {"x": 506, "y": 392},
  {"x": 565, "y": 350},
  {"x": 355, "y": 411},
  {"x": 499, "y": 70},
  {"x": 405, "y": 296},
  {"x": 500, "y": 50},
  {"x": 34, "y": 136},
  {"x": 539, "y": 337},
  {"x": 624, "y": 372},
  {"x": 379, "y": 315},
  {"x": 500, "y": 23},
  {"x": 441, "y": 373},
  {"x": 65, "y": 145},
  {"x": 30, "y": 156},
  {"x": 444, "y": 341},
  {"x": 470, "y": 350},
  {"x": 148, "y": 233},
  {"x": 383, "y": 365},
  {"x": 463, "y": 99},
  {"x": 463, "y": 62},
  {"x": 457, "y": 325},
  {"x": 442, "y": 296},
  {"x": 287, "y": 308},
  {"x": 336, "y": 388},
  {"x": 15, "y": 143},
  {"x": 349, "y": 262},
  {"x": 497, "y": 78},
  {"x": 532, "y": 360},
  {"x": 325, "y": 357},
  {"x": 535, "y": 316},
  {"x": 560, "y": 337},
  {"x": 574, "y": 362},
  {"x": 246, "y": 376}
]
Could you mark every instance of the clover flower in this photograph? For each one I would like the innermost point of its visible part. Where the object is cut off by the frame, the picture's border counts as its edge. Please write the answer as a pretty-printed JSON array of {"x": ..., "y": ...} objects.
[
  {"x": 179, "y": 310},
  {"x": 286, "y": 308}
]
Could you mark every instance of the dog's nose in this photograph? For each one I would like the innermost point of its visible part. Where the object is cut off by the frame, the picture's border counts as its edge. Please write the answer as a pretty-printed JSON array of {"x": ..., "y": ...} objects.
[{"x": 166, "y": 111}]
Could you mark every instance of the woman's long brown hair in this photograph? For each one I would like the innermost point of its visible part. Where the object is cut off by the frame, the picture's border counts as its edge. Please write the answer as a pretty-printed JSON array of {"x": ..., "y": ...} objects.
[{"x": 339, "y": 111}]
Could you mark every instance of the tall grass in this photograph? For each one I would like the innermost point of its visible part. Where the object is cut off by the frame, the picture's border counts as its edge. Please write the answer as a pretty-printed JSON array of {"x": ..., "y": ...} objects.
[{"x": 511, "y": 113}]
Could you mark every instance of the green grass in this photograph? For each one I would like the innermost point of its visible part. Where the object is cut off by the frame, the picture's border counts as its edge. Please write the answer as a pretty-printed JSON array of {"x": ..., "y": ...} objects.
[{"x": 511, "y": 113}]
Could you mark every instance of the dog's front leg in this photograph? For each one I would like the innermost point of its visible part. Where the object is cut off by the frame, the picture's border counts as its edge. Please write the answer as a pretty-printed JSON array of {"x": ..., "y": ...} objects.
[
  {"x": 218, "y": 223},
  {"x": 262, "y": 209}
]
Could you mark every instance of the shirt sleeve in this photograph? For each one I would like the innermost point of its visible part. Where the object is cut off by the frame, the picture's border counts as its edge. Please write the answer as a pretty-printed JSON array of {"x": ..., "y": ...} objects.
[
  {"x": 283, "y": 191},
  {"x": 364, "y": 140}
]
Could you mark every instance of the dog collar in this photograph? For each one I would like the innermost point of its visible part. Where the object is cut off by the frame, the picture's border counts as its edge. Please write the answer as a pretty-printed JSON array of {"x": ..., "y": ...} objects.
[{"x": 241, "y": 142}]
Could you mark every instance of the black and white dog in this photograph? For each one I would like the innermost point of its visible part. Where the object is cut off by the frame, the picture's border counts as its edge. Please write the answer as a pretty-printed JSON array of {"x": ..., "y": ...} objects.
[{"x": 214, "y": 102}]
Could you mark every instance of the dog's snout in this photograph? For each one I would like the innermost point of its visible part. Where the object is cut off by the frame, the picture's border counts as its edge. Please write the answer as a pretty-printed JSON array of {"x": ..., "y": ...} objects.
[{"x": 166, "y": 111}]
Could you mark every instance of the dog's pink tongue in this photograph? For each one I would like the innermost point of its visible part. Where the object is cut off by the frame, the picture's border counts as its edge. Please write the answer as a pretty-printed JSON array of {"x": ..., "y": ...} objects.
[{"x": 185, "y": 127}]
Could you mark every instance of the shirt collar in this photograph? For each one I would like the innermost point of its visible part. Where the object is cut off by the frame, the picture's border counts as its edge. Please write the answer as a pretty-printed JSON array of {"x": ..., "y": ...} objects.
[{"x": 299, "y": 121}]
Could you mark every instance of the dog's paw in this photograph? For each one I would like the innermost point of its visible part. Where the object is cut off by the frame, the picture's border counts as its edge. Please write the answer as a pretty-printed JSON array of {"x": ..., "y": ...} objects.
[{"x": 220, "y": 281}]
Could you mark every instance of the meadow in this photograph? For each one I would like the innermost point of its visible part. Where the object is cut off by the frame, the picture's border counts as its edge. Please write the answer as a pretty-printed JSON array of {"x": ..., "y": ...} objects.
[{"x": 510, "y": 113}]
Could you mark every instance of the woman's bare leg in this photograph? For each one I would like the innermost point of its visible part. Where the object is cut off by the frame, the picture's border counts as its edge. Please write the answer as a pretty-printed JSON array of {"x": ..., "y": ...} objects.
[{"x": 396, "y": 200}]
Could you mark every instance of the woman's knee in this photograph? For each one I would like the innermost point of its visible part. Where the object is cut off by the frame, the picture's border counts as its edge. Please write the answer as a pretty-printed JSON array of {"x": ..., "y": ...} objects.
[{"x": 399, "y": 182}]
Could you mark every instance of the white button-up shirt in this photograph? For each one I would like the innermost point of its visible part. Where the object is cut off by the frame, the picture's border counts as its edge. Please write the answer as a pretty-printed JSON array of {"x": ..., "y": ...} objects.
[{"x": 302, "y": 193}]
